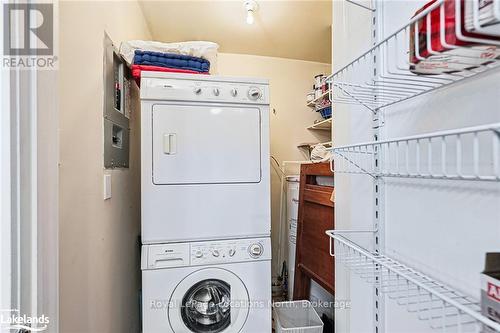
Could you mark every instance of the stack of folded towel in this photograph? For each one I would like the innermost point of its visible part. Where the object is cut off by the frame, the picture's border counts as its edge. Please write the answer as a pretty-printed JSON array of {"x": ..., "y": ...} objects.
[
  {"x": 168, "y": 62},
  {"x": 184, "y": 57},
  {"x": 174, "y": 61}
]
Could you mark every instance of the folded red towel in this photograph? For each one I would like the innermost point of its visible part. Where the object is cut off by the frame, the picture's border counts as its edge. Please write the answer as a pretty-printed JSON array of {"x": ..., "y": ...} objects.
[{"x": 137, "y": 69}]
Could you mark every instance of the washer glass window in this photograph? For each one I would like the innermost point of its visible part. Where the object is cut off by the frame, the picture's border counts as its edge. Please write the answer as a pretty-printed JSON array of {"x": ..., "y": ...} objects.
[{"x": 206, "y": 306}]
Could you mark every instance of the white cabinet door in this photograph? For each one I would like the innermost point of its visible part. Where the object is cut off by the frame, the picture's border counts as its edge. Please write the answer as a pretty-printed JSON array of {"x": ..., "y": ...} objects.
[{"x": 206, "y": 145}]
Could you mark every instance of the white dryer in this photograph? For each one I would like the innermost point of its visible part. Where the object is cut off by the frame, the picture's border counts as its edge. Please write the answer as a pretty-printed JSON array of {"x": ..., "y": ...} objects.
[
  {"x": 216, "y": 287},
  {"x": 205, "y": 157}
]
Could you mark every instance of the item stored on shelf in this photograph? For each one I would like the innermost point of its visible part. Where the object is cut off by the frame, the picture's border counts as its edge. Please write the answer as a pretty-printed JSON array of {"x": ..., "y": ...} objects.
[
  {"x": 322, "y": 103},
  {"x": 317, "y": 93},
  {"x": 326, "y": 112},
  {"x": 319, "y": 80},
  {"x": 488, "y": 18},
  {"x": 448, "y": 52},
  {"x": 310, "y": 97},
  {"x": 321, "y": 154},
  {"x": 199, "y": 49},
  {"x": 318, "y": 85},
  {"x": 138, "y": 69},
  {"x": 490, "y": 289}
]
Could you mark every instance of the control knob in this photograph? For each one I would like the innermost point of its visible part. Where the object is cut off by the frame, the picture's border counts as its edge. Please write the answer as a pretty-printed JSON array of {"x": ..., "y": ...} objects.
[
  {"x": 198, "y": 254},
  {"x": 215, "y": 253},
  {"x": 255, "y": 250},
  {"x": 197, "y": 90},
  {"x": 234, "y": 92},
  {"x": 254, "y": 93},
  {"x": 232, "y": 252},
  {"x": 216, "y": 91}
]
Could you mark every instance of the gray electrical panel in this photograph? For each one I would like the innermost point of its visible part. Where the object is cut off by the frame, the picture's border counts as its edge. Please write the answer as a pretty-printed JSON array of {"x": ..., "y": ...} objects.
[{"x": 116, "y": 111}]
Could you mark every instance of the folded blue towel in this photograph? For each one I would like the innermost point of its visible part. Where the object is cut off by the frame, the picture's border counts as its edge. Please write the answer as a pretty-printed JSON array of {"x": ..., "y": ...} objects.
[{"x": 170, "y": 60}]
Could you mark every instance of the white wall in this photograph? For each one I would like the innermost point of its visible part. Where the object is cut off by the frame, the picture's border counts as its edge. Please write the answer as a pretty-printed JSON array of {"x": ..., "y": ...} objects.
[
  {"x": 99, "y": 253},
  {"x": 290, "y": 81}
]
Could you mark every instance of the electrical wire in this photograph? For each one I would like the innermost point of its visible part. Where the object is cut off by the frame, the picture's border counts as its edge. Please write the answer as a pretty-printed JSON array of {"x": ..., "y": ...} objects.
[{"x": 277, "y": 165}]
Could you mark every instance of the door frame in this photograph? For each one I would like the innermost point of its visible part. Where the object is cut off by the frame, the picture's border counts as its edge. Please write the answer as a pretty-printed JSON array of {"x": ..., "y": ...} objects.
[{"x": 29, "y": 279}]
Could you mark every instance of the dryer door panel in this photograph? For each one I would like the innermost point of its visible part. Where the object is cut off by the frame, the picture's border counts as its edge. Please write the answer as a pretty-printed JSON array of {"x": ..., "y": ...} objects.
[{"x": 206, "y": 145}]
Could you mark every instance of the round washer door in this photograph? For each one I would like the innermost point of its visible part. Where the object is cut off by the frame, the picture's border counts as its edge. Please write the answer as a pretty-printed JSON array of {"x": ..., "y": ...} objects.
[{"x": 209, "y": 300}]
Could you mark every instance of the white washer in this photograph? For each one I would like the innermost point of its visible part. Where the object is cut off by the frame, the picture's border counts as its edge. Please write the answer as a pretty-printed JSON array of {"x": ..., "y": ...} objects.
[
  {"x": 205, "y": 157},
  {"x": 217, "y": 286}
]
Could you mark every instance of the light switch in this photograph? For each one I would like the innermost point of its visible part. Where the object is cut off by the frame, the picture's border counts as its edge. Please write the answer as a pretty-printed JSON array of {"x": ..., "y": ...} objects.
[{"x": 107, "y": 187}]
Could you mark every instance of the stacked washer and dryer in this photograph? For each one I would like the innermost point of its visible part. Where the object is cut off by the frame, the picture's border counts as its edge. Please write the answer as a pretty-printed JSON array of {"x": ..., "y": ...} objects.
[{"x": 205, "y": 182}]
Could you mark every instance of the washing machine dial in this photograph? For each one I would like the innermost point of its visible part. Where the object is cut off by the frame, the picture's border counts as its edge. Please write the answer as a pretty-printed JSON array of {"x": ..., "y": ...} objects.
[
  {"x": 254, "y": 93},
  {"x": 216, "y": 92},
  {"x": 255, "y": 250},
  {"x": 232, "y": 252},
  {"x": 234, "y": 92},
  {"x": 197, "y": 90},
  {"x": 198, "y": 254},
  {"x": 215, "y": 253}
]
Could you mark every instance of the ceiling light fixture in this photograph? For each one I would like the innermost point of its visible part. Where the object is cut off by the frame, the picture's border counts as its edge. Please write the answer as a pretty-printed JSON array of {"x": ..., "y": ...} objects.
[{"x": 251, "y": 7}]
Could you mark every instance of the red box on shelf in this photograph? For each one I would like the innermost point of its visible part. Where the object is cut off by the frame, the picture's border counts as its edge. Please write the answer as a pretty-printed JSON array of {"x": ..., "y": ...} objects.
[{"x": 451, "y": 48}]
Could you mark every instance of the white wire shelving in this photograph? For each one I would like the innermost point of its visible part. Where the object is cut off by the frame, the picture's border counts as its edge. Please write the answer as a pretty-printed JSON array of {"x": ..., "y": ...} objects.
[
  {"x": 314, "y": 103},
  {"x": 323, "y": 125},
  {"x": 414, "y": 60},
  {"x": 445, "y": 309},
  {"x": 407, "y": 50},
  {"x": 471, "y": 153}
]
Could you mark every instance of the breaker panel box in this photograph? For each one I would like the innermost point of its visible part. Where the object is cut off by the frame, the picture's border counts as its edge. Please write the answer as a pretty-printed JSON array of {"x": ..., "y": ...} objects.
[{"x": 116, "y": 111}]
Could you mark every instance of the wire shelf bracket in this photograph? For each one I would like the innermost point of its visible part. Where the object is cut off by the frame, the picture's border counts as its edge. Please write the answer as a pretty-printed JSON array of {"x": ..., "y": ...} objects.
[{"x": 444, "y": 308}]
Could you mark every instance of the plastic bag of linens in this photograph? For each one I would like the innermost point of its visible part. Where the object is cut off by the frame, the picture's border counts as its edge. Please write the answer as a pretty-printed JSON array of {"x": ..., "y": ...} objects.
[
  {"x": 200, "y": 49},
  {"x": 320, "y": 153}
]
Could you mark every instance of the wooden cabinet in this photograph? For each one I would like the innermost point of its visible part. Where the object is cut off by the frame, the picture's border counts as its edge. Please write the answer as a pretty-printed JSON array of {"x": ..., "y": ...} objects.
[{"x": 313, "y": 260}]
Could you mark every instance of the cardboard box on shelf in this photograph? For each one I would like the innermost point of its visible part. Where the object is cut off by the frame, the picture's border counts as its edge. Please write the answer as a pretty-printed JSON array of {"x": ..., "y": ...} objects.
[{"x": 490, "y": 289}]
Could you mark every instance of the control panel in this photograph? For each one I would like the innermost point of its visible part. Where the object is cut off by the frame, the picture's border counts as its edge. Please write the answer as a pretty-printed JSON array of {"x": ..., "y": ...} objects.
[
  {"x": 230, "y": 251},
  {"x": 157, "y": 256},
  {"x": 204, "y": 90}
]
